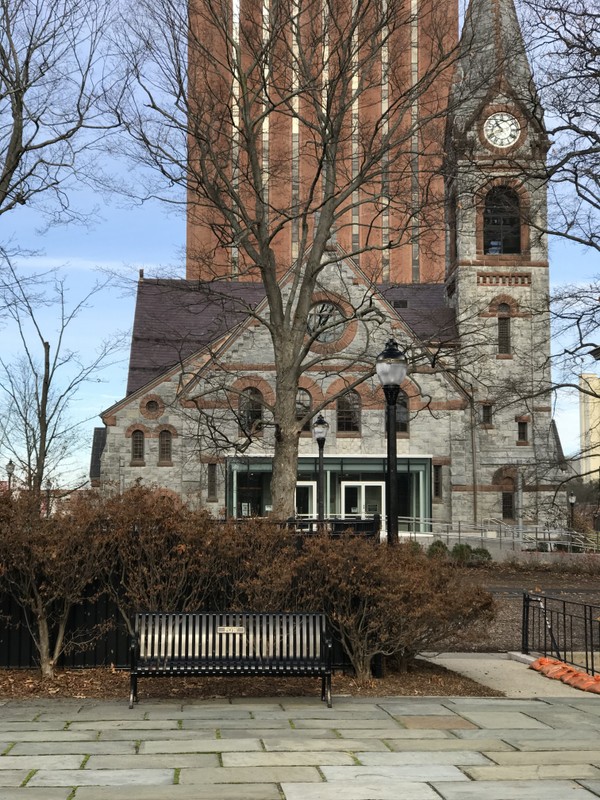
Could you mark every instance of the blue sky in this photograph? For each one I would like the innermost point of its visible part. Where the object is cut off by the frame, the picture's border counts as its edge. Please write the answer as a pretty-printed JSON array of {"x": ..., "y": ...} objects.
[
  {"x": 121, "y": 240},
  {"x": 124, "y": 240}
]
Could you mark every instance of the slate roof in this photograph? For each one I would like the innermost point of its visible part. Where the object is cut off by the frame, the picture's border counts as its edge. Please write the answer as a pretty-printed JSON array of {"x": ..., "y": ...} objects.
[
  {"x": 98, "y": 444},
  {"x": 176, "y": 318},
  {"x": 423, "y": 306}
]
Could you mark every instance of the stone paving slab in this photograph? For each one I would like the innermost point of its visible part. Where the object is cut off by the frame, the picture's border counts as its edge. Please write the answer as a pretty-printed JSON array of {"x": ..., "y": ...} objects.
[
  {"x": 266, "y": 733},
  {"x": 533, "y": 772},
  {"x": 154, "y": 761},
  {"x": 513, "y": 790},
  {"x": 421, "y": 773},
  {"x": 265, "y": 774},
  {"x": 68, "y": 748},
  {"x": 384, "y": 723},
  {"x": 391, "y": 733},
  {"x": 8, "y": 726},
  {"x": 454, "y": 758},
  {"x": 173, "y": 734},
  {"x": 451, "y": 722},
  {"x": 240, "y": 724},
  {"x": 297, "y": 759},
  {"x": 30, "y": 762},
  {"x": 432, "y": 747},
  {"x": 323, "y": 744},
  {"x": 364, "y": 790},
  {"x": 103, "y": 777},
  {"x": 26, "y": 793},
  {"x": 12, "y": 777},
  {"x": 222, "y": 791},
  {"x": 503, "y": 719},
  {"x": 56, "y": 736},
  {"x": 128, "y": 725},
  {"x": 559, "y": 756},
  {"x": 200, "y": 746}
]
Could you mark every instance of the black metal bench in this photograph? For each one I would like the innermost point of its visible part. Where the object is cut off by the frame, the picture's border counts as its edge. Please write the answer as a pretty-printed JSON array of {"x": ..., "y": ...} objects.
[{"x": 238, "y": 645}]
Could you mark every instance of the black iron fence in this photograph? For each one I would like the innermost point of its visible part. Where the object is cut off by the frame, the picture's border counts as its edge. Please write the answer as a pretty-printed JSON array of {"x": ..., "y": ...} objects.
[
  {"x": 563, "y": 629},
  {"x": 98, "y": 634}
]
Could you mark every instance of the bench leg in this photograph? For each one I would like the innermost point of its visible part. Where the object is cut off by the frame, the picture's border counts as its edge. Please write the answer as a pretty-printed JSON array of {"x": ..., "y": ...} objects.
[
  {"x": 132, "y": 690},
  {"x": 326, "y": 689}
]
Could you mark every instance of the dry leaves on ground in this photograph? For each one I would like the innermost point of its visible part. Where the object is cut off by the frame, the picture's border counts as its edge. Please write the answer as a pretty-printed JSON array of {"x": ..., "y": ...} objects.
[{"x": 109, "y": 684}]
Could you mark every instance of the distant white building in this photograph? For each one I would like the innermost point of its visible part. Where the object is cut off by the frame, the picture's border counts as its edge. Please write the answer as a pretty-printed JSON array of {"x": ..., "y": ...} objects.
[{"x": 589, "y": 426}]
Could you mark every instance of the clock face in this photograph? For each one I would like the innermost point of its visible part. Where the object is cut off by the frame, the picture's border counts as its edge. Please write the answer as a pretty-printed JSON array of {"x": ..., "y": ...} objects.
[{"x": 501, "y": 129}]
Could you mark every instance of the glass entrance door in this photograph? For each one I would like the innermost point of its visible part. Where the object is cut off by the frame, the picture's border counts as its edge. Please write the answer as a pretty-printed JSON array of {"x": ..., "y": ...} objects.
[
  {"x": 306, "y": 499},
  {"x": 363, "y": 499}
]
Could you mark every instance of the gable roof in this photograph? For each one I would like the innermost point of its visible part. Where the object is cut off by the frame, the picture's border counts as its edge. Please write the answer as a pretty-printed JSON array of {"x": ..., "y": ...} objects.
[{"x": 176, "y": 318}]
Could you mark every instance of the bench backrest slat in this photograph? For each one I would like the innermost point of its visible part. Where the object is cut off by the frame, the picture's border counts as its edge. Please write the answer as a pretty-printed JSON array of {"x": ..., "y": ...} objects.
[{"x": 208, "y": 637}]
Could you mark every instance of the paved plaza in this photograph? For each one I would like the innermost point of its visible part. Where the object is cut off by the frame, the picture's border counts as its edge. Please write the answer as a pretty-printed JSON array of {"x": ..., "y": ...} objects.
[{"x": 389, "y": 748}]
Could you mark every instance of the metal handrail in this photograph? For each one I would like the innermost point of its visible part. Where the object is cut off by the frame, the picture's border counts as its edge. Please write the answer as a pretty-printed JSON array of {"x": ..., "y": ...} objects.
[{"x": 565, "y": 629}]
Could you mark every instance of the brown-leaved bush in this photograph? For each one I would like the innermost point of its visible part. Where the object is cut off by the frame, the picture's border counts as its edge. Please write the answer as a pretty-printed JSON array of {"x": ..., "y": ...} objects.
[
  {"x": 150, "y": 553},
  {"x": 48, "y": 565}
]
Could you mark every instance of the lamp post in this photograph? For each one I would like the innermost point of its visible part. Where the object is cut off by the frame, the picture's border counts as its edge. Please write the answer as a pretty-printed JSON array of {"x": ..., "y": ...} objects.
[
  {"x": 319, "y": 430},
  {"x": 391, "y": 366},
  {"x": 48, "y": 488},
  {"x": 572, "y": 500},
  {"x": 10, "y": 471}
]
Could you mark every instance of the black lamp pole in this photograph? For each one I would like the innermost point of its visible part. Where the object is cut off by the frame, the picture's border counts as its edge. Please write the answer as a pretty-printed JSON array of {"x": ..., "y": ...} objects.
[
  {"x": 572, "y": 500},
  {"x": 391, "y": 397},
  {"x": 391, "y": 369},
  {"x": 320, "y": 428},
  {"x": 10, "y": 469},
  {"x": 48, "y": 488}
]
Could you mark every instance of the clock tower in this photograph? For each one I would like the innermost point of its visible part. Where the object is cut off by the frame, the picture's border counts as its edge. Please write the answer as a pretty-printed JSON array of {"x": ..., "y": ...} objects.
[{"x": 497, "y": 258}]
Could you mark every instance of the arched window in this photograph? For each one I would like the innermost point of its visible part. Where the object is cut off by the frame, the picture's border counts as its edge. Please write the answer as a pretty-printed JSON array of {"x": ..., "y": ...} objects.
[
  {"x": 508, "y": 498},
  {"x": 501, "y": 221},
  {"x": 303, "y": 407},
  {"x": 165, "y": 447},
  {"x": 137, "y": 446},
  {"x": 504, "y": 343},
  {"x": 251, "y": 410},
  {"x": 348, "y": 413}
]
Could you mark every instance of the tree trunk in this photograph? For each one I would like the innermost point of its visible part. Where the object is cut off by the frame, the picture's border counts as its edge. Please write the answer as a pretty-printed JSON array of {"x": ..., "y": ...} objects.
[
  {"x": 285, "y": 471},
  {"x": 47, "y": 663}
]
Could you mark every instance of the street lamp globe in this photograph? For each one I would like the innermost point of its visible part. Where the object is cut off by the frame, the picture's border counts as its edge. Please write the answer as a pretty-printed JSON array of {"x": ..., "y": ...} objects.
[
  {"x": 391, "y": 365},
  {"x": 320, "y": 428}
]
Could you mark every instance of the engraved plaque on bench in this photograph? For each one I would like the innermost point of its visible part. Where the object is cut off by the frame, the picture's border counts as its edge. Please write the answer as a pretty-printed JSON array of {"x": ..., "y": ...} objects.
[{"x": 230, "y": 629}]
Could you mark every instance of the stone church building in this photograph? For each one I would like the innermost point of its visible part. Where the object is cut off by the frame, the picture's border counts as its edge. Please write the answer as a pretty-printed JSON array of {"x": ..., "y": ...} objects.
[{"x": 476, "y": 442}]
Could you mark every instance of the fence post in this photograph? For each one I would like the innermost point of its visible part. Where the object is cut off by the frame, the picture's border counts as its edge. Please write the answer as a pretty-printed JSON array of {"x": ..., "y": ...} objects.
[{"x": 525, "y": 625}]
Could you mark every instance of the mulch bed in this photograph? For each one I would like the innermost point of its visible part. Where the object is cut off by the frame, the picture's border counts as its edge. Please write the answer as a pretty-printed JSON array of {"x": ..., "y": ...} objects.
[{"x": 107, "y": 684}]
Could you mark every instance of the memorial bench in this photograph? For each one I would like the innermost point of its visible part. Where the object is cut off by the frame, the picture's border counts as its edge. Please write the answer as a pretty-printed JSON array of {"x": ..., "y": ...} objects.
[{"x": 236, "y": 645}]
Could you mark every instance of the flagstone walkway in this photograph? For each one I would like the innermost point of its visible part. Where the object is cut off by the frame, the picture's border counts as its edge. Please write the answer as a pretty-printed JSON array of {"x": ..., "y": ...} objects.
[{"x": 398, "y": 748}]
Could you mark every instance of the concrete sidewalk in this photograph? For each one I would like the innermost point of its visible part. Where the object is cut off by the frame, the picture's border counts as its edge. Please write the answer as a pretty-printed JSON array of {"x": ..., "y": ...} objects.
[
  {"x": 525, "y": 747},
  {"x": 506, "y": 672}
]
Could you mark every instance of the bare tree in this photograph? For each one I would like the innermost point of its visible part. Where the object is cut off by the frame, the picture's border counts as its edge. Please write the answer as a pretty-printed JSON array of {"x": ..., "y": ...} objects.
[
  {"x": 53, "y": 77},
  {"x": 564, "y": 44},
  {"x": 212, "y": 97},
  {"x": 38, "y": 386}
]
